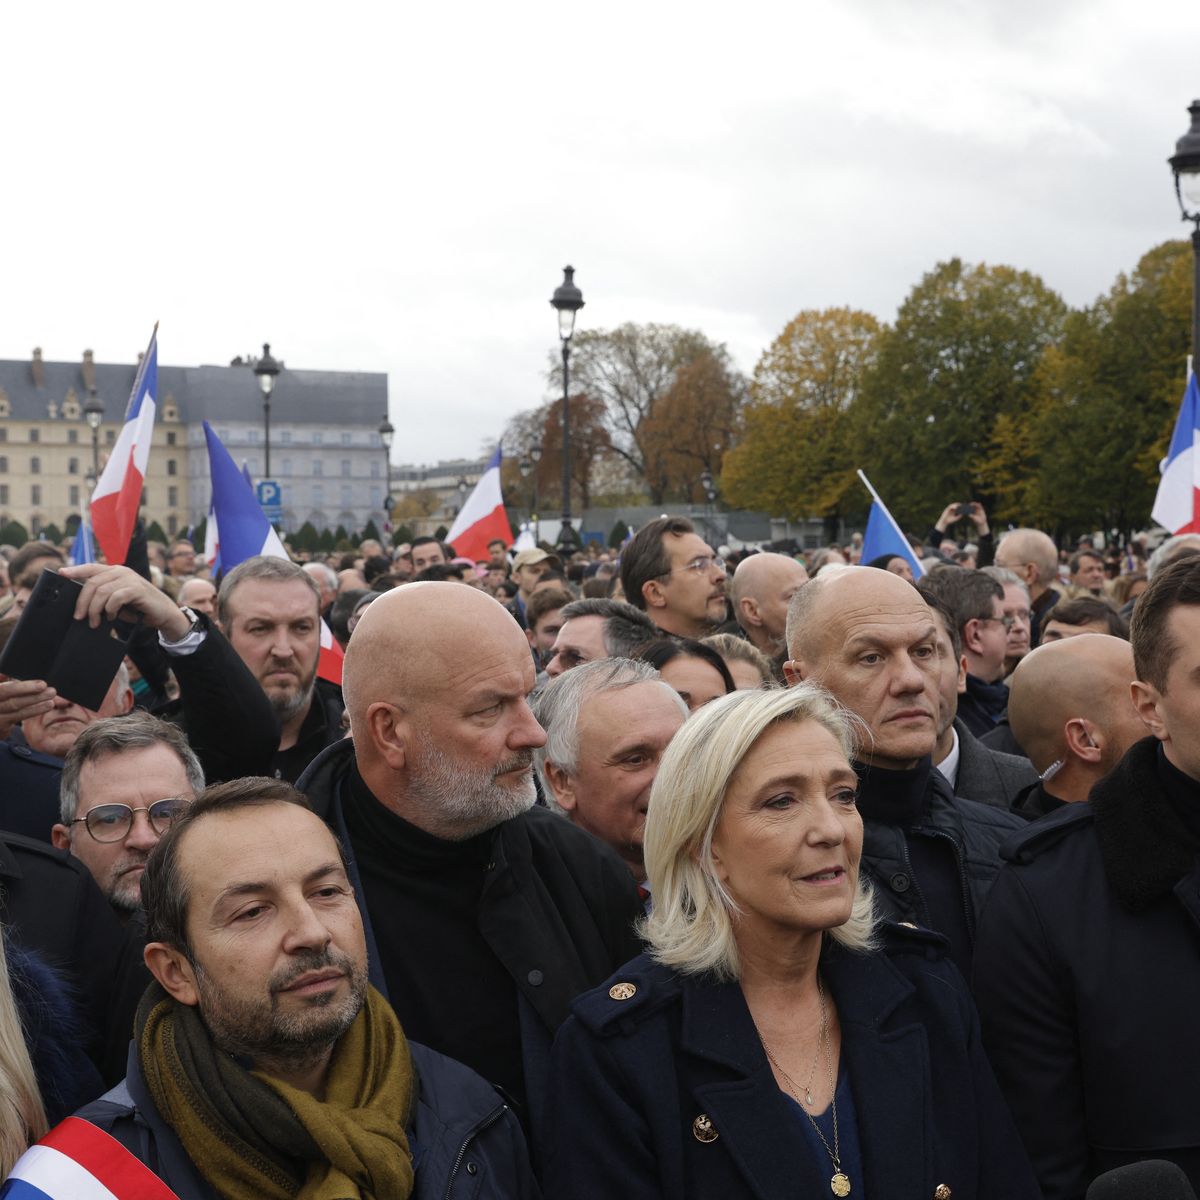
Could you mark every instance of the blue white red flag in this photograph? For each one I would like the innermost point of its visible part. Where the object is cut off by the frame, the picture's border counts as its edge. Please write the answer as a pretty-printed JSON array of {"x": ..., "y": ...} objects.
[
  {"x": 1177, "y": 504},
  {"x": 77, "y": 1160},
  {"x": 245, "y": 532},
  {"x": 212, "y": 542},
  {"x": 118, "y": 492},
  {"x": 82, "y": 550},
  {"x": 884, "y": 536},
  {"x": 482, "y": 518}
]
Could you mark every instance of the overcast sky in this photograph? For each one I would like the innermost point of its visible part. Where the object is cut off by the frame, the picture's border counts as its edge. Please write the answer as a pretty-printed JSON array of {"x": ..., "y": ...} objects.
[{"x": 396, "y": 187}]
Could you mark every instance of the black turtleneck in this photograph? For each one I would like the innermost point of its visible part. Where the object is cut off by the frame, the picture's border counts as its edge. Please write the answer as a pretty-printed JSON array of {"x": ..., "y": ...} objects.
[
  {"x": 901, "y": 798},
  {"x": 448, "y": 988},
  {"x": 1182, "y": 791},
  {"x": 982, "y": 705}
]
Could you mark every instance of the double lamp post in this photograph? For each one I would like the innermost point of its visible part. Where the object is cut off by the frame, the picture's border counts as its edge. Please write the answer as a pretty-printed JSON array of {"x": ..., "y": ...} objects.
[{"x": 1185, "y": 163}]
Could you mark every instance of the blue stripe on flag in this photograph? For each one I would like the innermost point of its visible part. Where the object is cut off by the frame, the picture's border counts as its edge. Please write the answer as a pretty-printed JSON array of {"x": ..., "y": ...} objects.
[{"x": 18, "y": 1189}]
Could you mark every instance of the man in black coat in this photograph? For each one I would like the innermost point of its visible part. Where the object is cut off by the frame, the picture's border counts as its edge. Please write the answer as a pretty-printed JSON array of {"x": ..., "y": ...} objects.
[
  {"x": 870, "y": 638},
  {"x": 1088, "y": 963},
  {"x": 485, "y": 916}
]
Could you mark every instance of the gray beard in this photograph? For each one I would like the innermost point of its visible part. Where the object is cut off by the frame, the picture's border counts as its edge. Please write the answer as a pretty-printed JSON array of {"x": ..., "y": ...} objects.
[
  {"x": 293, "y": 704},
  {"x": 462, "y": 801}
]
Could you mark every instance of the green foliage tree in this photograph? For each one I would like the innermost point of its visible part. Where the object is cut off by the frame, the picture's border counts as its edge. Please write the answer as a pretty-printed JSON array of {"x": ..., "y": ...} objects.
[
  {"x": 156, "y": 533},
  {"x": 440, "y": 533},
  {"x": 618, "y": 534},
  {"x": 325, "y": 541},
  {"x": 52, "y": 534},
  {"x": 307, "y": 538},
  {"x": 963, "y": 354},
  {"x": 199, "y": 532},
  {"x": 796, "y": 453},
  {"x": 72, "y": 525},
  {"x": 403, "y": 534},
  {"x": 371, "y": 530},
  {"x": 13, "y": 533}
]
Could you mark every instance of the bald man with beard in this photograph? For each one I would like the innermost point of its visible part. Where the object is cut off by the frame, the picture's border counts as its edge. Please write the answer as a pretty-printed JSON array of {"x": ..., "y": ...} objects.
[
  {"x": 1070, "y": 708},
  {"x": 485, "y": 915},
  {"x": 869, "y": 637}
]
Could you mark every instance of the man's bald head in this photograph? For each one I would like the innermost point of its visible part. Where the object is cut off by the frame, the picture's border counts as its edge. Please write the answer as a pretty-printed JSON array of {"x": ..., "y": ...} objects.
[
  {"x": 1083, "y": 682},
  {"x": 436, "y": 681},
  {"x": 763, "y": 587},
  {"x": 1021, "y": 549},
  {"x": 869, "y": 637}
]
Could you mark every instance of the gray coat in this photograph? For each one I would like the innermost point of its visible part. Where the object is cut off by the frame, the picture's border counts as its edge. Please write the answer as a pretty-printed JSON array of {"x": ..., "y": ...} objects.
[{"x": 987, "y": 776}]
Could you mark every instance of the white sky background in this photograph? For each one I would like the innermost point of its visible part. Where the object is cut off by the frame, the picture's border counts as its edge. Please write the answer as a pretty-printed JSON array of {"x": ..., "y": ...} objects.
[{"x": 396, "y": 187}]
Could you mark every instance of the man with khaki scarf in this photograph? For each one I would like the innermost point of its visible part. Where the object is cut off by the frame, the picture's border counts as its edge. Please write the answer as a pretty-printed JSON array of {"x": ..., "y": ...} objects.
[{"x": 263, "y": 1063}]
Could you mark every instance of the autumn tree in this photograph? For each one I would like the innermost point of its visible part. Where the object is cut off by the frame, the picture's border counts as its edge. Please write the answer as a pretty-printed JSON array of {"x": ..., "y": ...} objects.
[
  {"x": 962, "y": 355},
  {"x": 692, "y": 426},
  {"x": 628, "y": 370},
  {"x": 795, "y": 455}
]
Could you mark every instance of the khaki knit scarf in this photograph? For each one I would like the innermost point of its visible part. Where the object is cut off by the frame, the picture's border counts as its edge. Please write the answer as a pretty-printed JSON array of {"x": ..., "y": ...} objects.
[{"x": 255, "y": 1138}]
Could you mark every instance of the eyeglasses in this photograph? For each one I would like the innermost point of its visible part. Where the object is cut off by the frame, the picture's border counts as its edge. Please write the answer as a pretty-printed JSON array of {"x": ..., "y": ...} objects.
[
  {"x": 1007, "y": 622},
  {"x": 112, "y": 822},
  {"x": 699, "y": 566}
]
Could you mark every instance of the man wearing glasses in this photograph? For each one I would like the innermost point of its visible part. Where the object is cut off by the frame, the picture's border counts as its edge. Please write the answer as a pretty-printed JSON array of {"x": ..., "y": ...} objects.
[
  {"x": 123, "y": 782},
  {"x": 977, "y": 602},
  {"x": 181, "y": 560},
  {"x": 671, "y": 573}
]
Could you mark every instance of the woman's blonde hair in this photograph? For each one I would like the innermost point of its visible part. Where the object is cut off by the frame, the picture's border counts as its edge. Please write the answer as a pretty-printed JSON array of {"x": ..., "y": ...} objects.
[
  {"x": 690, "y": 926},
  {"x": 22, "y": 1114}
]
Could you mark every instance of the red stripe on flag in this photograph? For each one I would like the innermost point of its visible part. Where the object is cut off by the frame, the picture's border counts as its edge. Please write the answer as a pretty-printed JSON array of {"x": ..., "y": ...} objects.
[
  {"x": 115, "y": 515},
  {"x": 473, "y": 541},
  {"x": 329, "y": 663},
  {"x": 105, "y": 1157}
]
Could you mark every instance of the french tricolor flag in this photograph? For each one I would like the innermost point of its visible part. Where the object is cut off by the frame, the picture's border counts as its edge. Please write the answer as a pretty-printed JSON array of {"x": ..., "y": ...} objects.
[
  {"x": 482, "y": 518},
  {"x": 78, "y": 1161},
  {"x": 244, "y": 532},
  {"x": 119, "y": 490},
  {"x": 1177, "y": 504}
]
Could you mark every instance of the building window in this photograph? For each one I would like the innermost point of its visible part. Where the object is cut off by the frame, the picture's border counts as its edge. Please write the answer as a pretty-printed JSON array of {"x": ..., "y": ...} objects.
[
  {"x": 347, "y": 496},
  {"x": 374, "y": 469},
  {"x": 3, "y": 493},
  {"x": 345, "y": 439},
  {"x": 287, "y": 466},
  {"x": 318, "y": 437},
  {"x": 285, "y": 436},
  {"x": 3, "y": 464},
  {"x": 252, "y": 436},
  {"x": 171, "y": 466},
  {"x": 110, "y": 436},
  {"x": 72, "y": 436},
  {"x": 172, "y": 524},
  {"x": 171, "y": 438},
  {"x": 318, "y": 494},
  {"x": 318, "y": 467},
  {"x": 73, "y": 495},
  {"x": 72, "y": 466},
  {"x": 172, "y": 497},
  {"x": 345, "y": 468},
  {"x": 3, "y": 435},
  {"x": 35, "y": 435},
  {"x": 35, "y": 465},
  {"x": 35, "y": 494}
]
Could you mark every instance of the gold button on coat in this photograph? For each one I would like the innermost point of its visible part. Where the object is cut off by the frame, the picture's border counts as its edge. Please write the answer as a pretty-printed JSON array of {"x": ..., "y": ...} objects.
[
  {"x": 941, "y": 1192},
  {"x": 702, "y": 1129},
  {"x": 623, "y": 991}
]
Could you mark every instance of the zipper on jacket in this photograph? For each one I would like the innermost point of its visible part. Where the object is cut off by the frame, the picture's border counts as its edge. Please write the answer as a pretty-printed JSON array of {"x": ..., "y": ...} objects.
[
  {"x": 921, "y": 907},
  {"x": 968, "y": 910},
  {"x": 472, "y": 1134}
]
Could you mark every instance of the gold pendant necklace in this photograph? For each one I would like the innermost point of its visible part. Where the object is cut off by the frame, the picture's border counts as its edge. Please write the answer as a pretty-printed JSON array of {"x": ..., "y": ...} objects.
[{"x": 839, "y": 1183}]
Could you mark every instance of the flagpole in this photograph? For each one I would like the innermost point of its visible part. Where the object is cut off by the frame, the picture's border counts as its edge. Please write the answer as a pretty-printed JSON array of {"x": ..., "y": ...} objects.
[{"x": 867, "y": 484}]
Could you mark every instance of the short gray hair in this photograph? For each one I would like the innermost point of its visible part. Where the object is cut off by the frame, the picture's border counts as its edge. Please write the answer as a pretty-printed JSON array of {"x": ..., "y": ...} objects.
[
  {"x": 114, "y": 735},
  {"x": 625, "y": 627},
  {"x": 1006, "y": 578},
  {"x": 262, "y": 566},
  {"x": 1169, "y": 549},
  {"x": 690, "y": 927},
  {"x": 558, "y": 704},
  {"x": 327, "y": 573}
]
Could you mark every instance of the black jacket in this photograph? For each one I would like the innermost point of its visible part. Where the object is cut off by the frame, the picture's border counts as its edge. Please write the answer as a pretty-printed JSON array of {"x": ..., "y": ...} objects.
[
  {"x": 557, "y": 909},
  {"x": 1087, "y": 971},
  {"x": 50, "y": 904},
  {"x": 632, "y": 1077},
  {"x": 464, "y": 1139},
  {"x": 974, "y": 831},
  {"x": 989, "y": 776},
  {"x": 322, "y": 727}
]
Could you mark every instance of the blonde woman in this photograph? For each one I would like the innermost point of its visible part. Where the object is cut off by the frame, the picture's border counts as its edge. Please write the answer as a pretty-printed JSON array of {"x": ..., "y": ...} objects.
[{"x": 774, "y": 1042}]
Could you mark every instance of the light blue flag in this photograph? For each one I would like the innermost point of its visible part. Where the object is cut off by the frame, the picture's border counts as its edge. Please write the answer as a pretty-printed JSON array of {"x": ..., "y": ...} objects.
[
  {"x": 884, "y": 536},
  {"x": 82, "y": 550}
]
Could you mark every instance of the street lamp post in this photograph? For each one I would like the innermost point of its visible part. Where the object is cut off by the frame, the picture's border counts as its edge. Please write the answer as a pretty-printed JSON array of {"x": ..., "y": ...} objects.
[
  {"x": 266, "y": 369},
  {"x": 1185, "y": 163},
  {"x": 568, "y": 300},
  {"x": 387, "y": 434},
  {"x": 710, "y": 496},
  {"x": 93, "y": 412},
  {"x": 529, "y": 466}
]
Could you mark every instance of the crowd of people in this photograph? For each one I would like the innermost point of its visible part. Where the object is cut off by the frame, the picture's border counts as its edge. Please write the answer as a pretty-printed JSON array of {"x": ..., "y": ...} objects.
[{"x": 666, "y": 871}]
